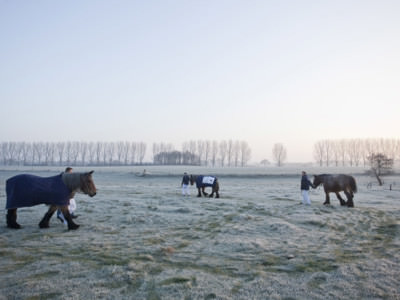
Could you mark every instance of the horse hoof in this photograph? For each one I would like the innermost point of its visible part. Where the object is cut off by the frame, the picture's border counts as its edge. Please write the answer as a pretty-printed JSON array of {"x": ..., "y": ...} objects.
[
  {"x": 73, "y": 227},
  {"x": 41, "y": 225},
  {"x": 14, "y": 226}
]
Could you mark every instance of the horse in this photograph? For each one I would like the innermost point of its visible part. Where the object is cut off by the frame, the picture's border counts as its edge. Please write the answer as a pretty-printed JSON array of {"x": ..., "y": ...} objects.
[
  {"x": 335, "y": 184},
  {"x": 204, "y": 181},
  {"x": 27, "y": 190}
]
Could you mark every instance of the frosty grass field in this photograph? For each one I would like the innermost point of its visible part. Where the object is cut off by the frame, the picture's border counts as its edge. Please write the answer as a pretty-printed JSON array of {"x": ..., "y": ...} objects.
[{"x": 140, "y": 239}]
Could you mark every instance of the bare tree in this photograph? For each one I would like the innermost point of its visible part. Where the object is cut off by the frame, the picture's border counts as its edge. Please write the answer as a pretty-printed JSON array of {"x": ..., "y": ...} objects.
[
  {"x": 193, "y": 151},
  {"x": 141, "y": 152},
  {"x": 104, "y": 153},
  {"x": 83, "y": 147},
  {"x": 343, "y": 151},
  {"x": 19, "y": 152},
  {"x": 156, "y": 150},
  {"x": 12, "y": 150},
  {"x": 236, "y": 153},
  {"x": 25, "y": 149},
  {"x": 370, "y": 147},
  {"x": 125, "y": 154},
  {"x": 200, "y": 150},
  {"x": 75, "y": 151},
  {"x": 353, "y": 152},
  {"x": 245, "y": 152},
  {"x": 120, "y": 151},
  {"x": 319, "y": 151},
  {"x": 110, "y": 150},
  {"x": 68, "y": 152},
  {"x": 5, "y": 152},
  {"x": 60, "y": 148},
  {"x": 99, "y": 152},
  {"x": 380, "y": 165},
  {"x": 229, "y": 152},
  {"x": 49, "y": 153},
  {"x": 207, "y": 150},
  {"x": 279, "y": 154},
  {"x": 214, "y": 152},
  {"x": 327, "y": 151},
  {"x": 38, "y": 150},
  {"x": 336, "y": 152},
  {"x": 91, "y": 152},
  {"x": 223, "y": 147}
]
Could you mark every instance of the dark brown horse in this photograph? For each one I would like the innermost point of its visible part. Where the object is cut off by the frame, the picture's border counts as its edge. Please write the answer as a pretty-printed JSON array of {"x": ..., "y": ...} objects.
[
  {"x": 336, "y": 184},
  {"x": 28, "y": 190},
  {"x": 205, "y": 181}
]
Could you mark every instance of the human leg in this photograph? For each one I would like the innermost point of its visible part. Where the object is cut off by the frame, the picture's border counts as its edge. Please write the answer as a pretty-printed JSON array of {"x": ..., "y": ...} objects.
[{"x": 306, "y": 197}]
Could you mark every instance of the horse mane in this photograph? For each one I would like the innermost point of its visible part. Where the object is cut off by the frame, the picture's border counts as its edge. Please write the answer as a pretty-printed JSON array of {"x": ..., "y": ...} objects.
[{"x": 72, "y": 180}]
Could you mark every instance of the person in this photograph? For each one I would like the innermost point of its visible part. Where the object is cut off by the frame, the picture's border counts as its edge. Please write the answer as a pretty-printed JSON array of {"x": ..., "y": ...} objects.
[
  {"x": 305, "y": 187},
  {"x": 185, "y": 184},
  {"x": 71, "y": 206}
]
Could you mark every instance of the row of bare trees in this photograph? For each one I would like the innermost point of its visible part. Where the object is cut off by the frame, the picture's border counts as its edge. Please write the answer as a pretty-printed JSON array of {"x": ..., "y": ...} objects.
[
  {"x": 72, "y": 153},
  {"x": 202, "y": 152},
  {"x": 231, "y": 153},
  {"x": 354, "y": 152}
]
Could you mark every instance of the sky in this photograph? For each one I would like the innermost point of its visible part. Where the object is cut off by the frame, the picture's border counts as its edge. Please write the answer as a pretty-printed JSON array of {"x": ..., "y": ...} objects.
[{"x": 266, "y": 72}]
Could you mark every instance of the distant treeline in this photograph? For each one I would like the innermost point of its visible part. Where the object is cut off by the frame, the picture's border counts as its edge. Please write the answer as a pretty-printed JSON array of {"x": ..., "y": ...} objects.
[
  {"x": 224, "y": 153},
  {"x": 354, "y": 152},
  {"x": 72, "y": 153}
]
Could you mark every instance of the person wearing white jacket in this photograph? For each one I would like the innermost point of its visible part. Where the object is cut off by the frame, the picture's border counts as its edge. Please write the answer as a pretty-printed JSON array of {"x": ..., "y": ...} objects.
[{"x": 71, "y": 206}]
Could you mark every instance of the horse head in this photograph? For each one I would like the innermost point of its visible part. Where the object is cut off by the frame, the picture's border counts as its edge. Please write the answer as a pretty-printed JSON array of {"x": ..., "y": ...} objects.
[
  {"x": 87, "y": 185},
  {"x": 192, "y": 179},
  {"x": 318, "y": 179}
]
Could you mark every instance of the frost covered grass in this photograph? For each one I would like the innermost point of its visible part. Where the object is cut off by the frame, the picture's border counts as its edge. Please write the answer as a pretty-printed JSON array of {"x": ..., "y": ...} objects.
[{"x": 140, "y": 239}]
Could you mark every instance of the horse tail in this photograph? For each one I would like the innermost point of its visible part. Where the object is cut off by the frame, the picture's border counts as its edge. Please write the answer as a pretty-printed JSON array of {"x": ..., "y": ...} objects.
[
  {"x": 216, "y": 185},
  {"x": 353, "y": 184}
]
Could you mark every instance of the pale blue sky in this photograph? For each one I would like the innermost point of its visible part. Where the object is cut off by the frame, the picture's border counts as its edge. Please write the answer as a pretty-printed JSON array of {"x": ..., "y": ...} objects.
[{"x": 292, "y": 72}]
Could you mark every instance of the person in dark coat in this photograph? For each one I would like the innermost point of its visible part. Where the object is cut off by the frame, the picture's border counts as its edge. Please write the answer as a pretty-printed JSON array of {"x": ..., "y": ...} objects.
[
  {"x": 185, "y": 184},
  {"x": 305, "y": 187}
]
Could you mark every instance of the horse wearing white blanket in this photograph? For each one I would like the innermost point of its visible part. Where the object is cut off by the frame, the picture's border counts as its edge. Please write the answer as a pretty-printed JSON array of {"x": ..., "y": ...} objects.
[{"x": 205, "y": 181}]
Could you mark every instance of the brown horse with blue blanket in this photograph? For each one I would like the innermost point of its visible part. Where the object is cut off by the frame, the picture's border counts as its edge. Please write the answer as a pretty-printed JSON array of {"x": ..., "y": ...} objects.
[
  {"x": 28, "y": 190},
  {"x": 205, "y": 181},
  {"x": 336, "y": 184}
]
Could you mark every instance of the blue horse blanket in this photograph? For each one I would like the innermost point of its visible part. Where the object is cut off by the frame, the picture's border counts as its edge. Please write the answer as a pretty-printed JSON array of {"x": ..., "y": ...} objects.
[
  {"x": 202, "y": 181},
  {"x": 28, "y": 190}
]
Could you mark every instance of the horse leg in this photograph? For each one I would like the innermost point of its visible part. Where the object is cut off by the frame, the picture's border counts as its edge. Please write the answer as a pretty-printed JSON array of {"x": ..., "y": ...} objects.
[
  {"x": 199, "y": 192},
  {"x": 342, "y": 202},
  {"x": 212, "y": 193},
  {"x": 349, "y": 196},
  {"x": 327, "y": 200},
  {"x": 12, "y": 219},
  {"x": 68, "y": 218},
  {"x": 44, "y": 223},
  {"x": 204, "y": 191}
]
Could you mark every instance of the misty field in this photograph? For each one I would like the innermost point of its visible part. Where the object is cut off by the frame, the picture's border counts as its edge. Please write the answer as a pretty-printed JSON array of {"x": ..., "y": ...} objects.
[{"x": 140, "y": 239}]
